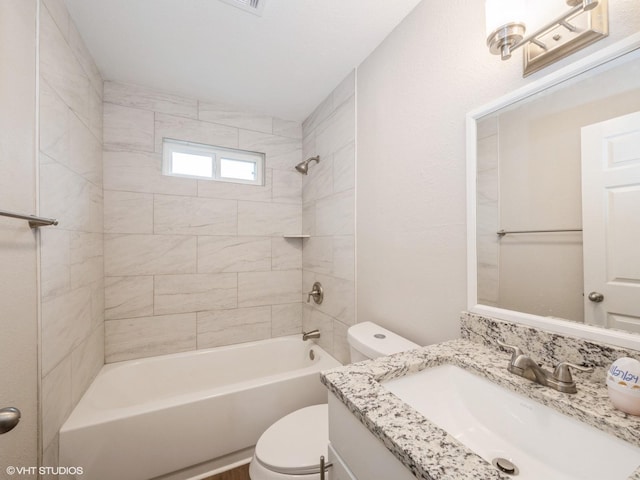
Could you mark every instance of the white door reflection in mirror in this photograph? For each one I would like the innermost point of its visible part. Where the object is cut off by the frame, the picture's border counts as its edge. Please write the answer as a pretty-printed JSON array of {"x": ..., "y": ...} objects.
[{"x": 611, "y": 222}]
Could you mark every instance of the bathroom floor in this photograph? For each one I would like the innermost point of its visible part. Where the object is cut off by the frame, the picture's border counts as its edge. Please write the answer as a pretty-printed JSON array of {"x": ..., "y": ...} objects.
[{"x": 240, "y": 473}]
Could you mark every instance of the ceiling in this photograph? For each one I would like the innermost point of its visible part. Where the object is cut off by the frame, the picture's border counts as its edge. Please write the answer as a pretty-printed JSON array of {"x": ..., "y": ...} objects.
[{"x": 283, "y": 63}]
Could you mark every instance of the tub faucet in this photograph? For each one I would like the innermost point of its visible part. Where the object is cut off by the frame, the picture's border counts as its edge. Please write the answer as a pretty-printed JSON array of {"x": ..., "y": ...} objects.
[
  {"x": 560, "y": 379},
  {"x": 312, "y": 334}
]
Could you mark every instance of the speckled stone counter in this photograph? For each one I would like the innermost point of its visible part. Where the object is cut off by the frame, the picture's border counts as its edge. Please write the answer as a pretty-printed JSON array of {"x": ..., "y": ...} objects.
[{"x": 428, "y": 451}]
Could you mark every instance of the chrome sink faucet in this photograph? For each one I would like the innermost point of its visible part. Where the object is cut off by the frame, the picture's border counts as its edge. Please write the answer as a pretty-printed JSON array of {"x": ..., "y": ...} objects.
[{"x": 560, "y": 379}]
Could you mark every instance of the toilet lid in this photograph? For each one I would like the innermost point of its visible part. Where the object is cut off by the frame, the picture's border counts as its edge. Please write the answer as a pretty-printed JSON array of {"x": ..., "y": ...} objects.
[{"x": 294, "y": 443}]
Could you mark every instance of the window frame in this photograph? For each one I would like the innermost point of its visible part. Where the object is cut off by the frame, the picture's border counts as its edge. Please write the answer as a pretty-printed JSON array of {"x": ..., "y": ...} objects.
[{"x": 217, "y": 154}]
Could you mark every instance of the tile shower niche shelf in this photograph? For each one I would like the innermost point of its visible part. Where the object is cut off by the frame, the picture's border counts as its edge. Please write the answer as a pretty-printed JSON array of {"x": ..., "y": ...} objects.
[{"x": 295, "y": 235}]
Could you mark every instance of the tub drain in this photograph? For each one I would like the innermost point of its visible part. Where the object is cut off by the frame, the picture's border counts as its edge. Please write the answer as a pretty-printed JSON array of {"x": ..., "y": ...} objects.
[{"x": 505, "y": 466}]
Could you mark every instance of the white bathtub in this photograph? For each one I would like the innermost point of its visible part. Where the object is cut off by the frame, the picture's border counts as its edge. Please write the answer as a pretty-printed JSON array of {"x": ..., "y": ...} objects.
[{"x": 147, "y": 418}]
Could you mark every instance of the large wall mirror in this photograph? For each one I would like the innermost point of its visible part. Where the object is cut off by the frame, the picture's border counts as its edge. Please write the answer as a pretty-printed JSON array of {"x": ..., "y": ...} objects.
[{"x": 554, "y": 200}]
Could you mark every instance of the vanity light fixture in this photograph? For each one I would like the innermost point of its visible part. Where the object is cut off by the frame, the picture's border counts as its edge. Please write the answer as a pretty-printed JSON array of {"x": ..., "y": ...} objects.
[{"x": 585, "y": 22}]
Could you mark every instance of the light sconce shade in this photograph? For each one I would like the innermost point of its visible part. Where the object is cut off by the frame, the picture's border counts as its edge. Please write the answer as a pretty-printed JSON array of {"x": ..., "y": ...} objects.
[{"x": 585, "y": 22}]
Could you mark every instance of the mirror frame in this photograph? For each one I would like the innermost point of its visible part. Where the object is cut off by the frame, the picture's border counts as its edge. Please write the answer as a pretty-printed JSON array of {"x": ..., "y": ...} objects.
[{"x": 629, "y": 45}]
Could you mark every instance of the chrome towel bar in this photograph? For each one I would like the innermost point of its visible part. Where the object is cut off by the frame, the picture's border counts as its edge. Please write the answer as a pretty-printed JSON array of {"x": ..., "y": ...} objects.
[
  {"x": 502, "y": 233},
  {"x": 34, "y": 222}
]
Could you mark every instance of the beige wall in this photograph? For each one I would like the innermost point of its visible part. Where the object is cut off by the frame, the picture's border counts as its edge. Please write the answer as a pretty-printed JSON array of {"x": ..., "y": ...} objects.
[
  {"x": 71, "y": 272},
  {"x": 18, "y": 299},
  {"x": 193, "y": 263},
  {"x": 328, "y": 216},
  {"x": 413, "y": 93}
]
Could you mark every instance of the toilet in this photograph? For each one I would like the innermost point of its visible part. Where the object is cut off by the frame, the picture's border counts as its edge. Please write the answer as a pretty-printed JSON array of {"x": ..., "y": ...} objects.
[{"x": 290, "y": 449}]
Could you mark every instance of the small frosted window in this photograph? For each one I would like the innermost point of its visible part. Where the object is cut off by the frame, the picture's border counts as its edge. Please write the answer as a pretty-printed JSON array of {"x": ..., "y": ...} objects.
[
  {"x": 209, "y": 162},
  {"x": 240, "y": 169},
  {"x": 191, "y": 165}
]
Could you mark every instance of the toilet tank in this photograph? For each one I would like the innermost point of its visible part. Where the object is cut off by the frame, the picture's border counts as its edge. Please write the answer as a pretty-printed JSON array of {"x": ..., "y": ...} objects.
[{"x": 368, "y": 340}]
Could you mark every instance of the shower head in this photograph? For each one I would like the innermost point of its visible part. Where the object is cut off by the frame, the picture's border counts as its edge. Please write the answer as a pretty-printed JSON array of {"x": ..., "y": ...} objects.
[{"x": 303, "y": 167}]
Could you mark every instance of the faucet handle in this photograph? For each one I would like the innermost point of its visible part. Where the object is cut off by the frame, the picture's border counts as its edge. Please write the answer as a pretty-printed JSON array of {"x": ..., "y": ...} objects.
[
  {"x": 517, "y": 351},
  {"x": 562, "y": 372}
]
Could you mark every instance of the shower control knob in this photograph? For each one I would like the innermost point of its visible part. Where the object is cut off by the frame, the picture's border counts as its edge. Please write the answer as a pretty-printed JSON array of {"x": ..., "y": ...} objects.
[{"x": 596, "y": 297}]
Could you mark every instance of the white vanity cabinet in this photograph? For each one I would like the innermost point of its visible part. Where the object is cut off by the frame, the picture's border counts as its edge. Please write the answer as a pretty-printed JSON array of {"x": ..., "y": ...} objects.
[{"x": 355, "y": 452}]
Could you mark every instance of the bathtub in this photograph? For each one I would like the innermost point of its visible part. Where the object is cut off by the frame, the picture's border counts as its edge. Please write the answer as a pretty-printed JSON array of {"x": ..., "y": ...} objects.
[{"x": 149, "y": 418}]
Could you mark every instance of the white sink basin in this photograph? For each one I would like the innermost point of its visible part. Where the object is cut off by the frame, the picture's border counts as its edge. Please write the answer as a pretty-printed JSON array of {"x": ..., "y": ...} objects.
[{"x": 497, "y": 423}]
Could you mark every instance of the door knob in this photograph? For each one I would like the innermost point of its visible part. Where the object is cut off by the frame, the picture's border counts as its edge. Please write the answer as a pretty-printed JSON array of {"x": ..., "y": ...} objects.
[
  {"x": 596, "y": 297},
  {"x": 9, "y": 418}
]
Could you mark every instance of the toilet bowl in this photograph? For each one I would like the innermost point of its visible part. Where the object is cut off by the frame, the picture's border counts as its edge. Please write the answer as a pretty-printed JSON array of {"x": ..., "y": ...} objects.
[{"x": 290, "y": 449}]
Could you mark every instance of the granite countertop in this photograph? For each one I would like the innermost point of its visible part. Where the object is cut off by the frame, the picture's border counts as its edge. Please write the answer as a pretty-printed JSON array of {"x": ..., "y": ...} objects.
[{"x": 428, "y": 451}]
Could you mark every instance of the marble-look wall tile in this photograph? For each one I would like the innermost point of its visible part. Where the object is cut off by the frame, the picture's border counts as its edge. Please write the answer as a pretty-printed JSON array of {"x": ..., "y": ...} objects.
[
  {"x": 344, "y": 168},
  {"x": 287, "y": 128},
  {"x": 54, "y": 124},
  {"x": 149, "y": 336},
  {"x": 128, "y": 297},
  {"x": 75, "y": 202},
  {"x": 233, "y": 254},
  {"x": 149, "y": 254},
  {"x": 128, "y": 129},
  {"x": 313, "y": 319},
  {"x": 287, "y": 187},
  {"x": 344, "y": 257},
  {"x": 317, "y": 255},
  {"x": 70, "y": 189},
  {"x": 309, "y": 219},
  {"x": 328, "y": 215},
  {"x": 286, "y": 319},
  {"x": 128, "y": 212},
  {"x": 268, "y": 219},
  {"x": 321, "y": 113},
  {"x": 56, "y": 400},
  {"x": 286, "y": 253},
  {"x": 180, "y": 128},
  {"x": 238, "y": 191},
  {"x": 194, "y": 293},
  {"x": 319, "y": 182},
  {"x": 58, "y": 11},
  {"x": 225, "y": 327},
  {"x": 338, "y": 130},
  {"x": 85, "y": 152},
  {"x": 229, "y": 115},
  {"x": 341, "y": 348},
  {"x": 282, "y": 153},
  {"x": 339, "y": 296},
  {"x": 335, "y": 215},
  {"x": 86, "y": 258},
  {"x": 86, "y": 360},
  {"x": 96, "y": 123},
  {"x": 80, "y": 51},
  {"x": 345, "y": 89},
  {"x": 178, "y": 246},
  {"x": 194, "y": 216},
  {"x": 269, "y": 288},
  {"x": 142, "y": 172},
  {"x": 55, "y": 261},
  {"x": 145, "y": 98},
  {"x": 60, "y": 68},
  {"x": 66, "y": 321}
]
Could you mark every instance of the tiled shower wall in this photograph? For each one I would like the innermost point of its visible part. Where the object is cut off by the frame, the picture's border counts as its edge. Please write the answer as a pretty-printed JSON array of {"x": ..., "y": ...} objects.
[
  {"x": 71, "y": 272},
  {"x": 193, "y": 263},
  {"x": 328, "y": 195}
]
